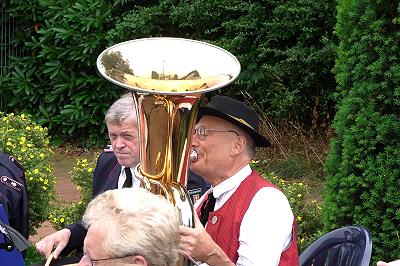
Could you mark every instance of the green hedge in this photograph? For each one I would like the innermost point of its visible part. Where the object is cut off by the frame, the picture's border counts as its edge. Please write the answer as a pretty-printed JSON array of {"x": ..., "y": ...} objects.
[
  {"x": 29, "y": 143},
  {"x": 285, "y": 48},
  {"x": 363, "y": 166},
  {"x": 63, "y": 214},
  {"x": 57, "y": 80}
]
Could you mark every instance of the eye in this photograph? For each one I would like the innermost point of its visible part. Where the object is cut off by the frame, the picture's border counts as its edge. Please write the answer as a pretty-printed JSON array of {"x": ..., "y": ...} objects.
[{"x": 129, "y": 136}]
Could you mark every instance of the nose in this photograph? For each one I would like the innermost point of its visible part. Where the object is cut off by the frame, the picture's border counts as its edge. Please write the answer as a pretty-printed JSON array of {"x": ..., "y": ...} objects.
[
  {"x": 119, "y": 143},
  {"x": 195, "y": 140}
]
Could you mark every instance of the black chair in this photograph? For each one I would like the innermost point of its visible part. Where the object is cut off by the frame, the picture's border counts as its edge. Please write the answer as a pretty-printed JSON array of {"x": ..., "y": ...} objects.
[{"x": 346, "y": 246}]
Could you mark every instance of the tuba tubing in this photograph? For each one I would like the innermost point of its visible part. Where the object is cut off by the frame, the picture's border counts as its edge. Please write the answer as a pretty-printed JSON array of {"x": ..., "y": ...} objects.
[{"x": 167, "y": 78}]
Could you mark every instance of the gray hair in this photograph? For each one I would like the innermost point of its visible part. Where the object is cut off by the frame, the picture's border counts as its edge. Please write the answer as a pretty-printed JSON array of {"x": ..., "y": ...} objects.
[
  {"x": 121, "y": 109},
  {"x": 138, "y": 223},
  {"x": 250, "y": 149}
]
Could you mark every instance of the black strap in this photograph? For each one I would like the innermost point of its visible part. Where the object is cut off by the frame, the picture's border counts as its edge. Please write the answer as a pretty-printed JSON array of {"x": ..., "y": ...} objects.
[
  {"x": 128, "y": 180},
  {"x": 206, "y": 208},
  {"x": 12, "y": 238}
]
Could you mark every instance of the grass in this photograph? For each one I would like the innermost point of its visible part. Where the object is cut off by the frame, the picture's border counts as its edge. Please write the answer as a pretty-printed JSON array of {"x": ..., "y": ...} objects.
[
  {"x": 32, "y": 256},
  {"x": 296, "y": 155}
]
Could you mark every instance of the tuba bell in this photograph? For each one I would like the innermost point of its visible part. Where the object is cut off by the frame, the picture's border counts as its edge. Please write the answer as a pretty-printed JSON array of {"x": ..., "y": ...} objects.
[{"x": 167, "y": 78}]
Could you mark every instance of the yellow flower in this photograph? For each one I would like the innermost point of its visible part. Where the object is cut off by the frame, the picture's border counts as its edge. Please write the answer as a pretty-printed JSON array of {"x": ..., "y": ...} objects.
[
  {"x": 90, "y": 169},
  {"x": 78, "y": 188},
  {"x": 28, "y": 128},
  {"x": 22, "y": 140},
  {"x": 41, "y": 155},
  {"x": 299, "y": 195},
  {"x": 22, "y": 116},
  {"x": 62, "y": 219},
  {"x": 8, "y": 143},
  {"x": 29, "y": 145},
  {"x": 23, "y": 150},
  {"x": 44, "y": 188},
  {"x": 36, "y": 171},
  {"x": 299, "y": 218},
  {"x": 302, "y": 240}
]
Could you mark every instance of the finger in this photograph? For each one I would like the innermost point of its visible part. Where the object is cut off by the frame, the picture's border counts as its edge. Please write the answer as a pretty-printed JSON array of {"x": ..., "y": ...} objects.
[
  {"x": 197, "y": 221},
  {"x": 43, "y": 248},
  {"x": 184, "y": 230},
  {"x": 58, "y": 249}
]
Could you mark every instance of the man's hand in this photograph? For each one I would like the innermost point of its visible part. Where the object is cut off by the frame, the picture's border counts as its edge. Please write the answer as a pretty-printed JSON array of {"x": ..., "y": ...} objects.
[
  {"x": 198, "y": 244},
  {"x": 58, "y": 240}
]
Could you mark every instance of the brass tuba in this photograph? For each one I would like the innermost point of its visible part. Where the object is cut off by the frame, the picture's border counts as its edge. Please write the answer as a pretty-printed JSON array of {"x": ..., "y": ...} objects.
[{"x": 167, "y": 78}]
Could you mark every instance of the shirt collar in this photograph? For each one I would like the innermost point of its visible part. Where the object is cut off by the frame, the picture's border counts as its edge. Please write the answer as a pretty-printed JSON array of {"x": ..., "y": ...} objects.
[{"x": 232, "y": 182}]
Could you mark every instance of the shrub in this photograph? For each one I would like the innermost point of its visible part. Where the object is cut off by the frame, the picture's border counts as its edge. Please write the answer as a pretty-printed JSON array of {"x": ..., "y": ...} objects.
[
  {"x": 57, "y": 79},
  {"x": 82, "y": 176},
  {"x": 308, "y": 213},
  {"x": 29, "y": 143},
  {"x": 286, "y": 62},
  {"x": 285, "y": 49},
  {"x": 363, "y": 167}
]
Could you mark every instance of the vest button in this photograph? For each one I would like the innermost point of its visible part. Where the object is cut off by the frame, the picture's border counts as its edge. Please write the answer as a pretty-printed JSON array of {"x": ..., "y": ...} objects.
[{"x": 214, "y": 220}]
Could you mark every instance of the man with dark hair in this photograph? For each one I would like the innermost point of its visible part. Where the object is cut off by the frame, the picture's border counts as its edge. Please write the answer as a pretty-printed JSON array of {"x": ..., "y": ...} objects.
[{"x": 247, "y": 220}]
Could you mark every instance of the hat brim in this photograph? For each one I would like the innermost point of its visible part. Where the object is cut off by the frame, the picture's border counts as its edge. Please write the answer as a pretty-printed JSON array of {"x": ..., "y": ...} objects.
[{"x": 259, "y": 140}]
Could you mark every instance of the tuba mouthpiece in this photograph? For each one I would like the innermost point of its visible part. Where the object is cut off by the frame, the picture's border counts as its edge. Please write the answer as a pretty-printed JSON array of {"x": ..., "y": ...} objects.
[{"x": 193, "y": 156}]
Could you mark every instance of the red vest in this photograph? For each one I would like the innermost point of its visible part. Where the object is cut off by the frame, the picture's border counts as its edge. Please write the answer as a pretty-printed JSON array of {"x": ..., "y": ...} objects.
[{"x": 223, "y": 225}]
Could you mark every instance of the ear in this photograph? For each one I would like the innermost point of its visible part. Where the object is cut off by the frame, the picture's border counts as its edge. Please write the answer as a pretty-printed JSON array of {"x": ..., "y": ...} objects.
[
  {"x": 139, "y": 260},
  {"x": 239, "y": 145}
]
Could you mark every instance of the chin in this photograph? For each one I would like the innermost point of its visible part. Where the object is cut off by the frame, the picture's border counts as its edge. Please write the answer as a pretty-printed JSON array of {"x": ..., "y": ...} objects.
[
  {"x": 124, "y": 163},
  {"x": 195, "y": 168}
]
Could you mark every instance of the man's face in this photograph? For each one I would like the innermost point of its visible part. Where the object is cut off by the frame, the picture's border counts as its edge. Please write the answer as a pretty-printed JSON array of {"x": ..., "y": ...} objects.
[
  {"x": 214, "y": 152},
  {"x": 94, "y": 246},
  {"x": 95, "y": 254},
  {"x": 124, "y": 139}
]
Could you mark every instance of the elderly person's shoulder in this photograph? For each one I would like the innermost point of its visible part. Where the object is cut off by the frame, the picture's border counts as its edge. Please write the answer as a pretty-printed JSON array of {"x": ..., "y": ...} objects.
[{"x": 393, "y": 263}]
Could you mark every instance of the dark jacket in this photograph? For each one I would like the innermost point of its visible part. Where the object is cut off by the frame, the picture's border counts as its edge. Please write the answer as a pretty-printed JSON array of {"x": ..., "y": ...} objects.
[
  {"x": 13, "y": 195},
  {"x": 105, "y": 177}
]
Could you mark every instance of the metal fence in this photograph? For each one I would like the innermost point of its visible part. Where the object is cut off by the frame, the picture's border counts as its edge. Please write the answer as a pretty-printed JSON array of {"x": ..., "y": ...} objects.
[{"x": 8, "y": 27}]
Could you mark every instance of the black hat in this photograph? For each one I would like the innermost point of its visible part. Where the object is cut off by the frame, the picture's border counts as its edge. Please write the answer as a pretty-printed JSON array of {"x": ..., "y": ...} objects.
[{"x": 237, "y": 113}]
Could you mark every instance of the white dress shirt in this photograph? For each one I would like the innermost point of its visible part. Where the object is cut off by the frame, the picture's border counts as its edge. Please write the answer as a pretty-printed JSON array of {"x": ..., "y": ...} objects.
[
  {"x": 266, "y": 228},
  {"x": 122, "y": 178}
]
